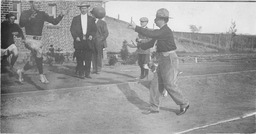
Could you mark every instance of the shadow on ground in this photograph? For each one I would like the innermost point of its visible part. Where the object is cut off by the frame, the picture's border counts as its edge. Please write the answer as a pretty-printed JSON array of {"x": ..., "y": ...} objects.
[{"x": 132, "y": 96}]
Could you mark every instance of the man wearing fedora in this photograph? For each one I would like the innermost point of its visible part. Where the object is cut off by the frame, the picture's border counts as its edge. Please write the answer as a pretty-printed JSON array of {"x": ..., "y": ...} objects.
[
  {"x": 83, "y": 30},
  {"x": 167, "y": 70},
  {"x": 33, "y": 21},
  {"x": 100, "y": 38}
]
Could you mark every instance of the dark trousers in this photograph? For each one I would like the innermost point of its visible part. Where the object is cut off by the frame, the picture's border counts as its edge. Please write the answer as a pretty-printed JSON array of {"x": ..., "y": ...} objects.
[
  {"x": 142, "y": 60},
  {"x": 39, "y": 64},
  {"x": 83, "y": 59},
  {"x": 97, "y": 60}
]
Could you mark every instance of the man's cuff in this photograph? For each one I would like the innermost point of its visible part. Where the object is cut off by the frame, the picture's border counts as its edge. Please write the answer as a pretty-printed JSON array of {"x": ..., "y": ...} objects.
[
  {"x": 136, "y": 29},
  {"x": 61, "y": 16}
]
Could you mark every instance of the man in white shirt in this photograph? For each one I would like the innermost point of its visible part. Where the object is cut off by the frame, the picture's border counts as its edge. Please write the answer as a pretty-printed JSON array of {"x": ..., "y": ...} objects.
[{"x": 83, "y": 30}]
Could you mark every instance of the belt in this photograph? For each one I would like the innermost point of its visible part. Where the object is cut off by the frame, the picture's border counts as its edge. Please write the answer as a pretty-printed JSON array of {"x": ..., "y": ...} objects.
[
  {"x": 167, "y": 53},
  {"x": 34, "y": 37}
]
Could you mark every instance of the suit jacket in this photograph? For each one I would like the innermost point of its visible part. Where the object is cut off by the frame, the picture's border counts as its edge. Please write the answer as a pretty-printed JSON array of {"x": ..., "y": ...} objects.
[
  {"x": 76, "y": 31},
  {"x": 101, "y": 35}
]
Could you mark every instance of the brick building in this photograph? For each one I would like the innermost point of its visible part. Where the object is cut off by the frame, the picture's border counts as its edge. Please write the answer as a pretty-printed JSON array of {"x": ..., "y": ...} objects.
[{"x": 57, "y": 35}]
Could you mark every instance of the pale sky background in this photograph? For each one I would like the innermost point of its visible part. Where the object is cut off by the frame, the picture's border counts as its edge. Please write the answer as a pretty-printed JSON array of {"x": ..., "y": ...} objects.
[{"x": 214, "y": 17}]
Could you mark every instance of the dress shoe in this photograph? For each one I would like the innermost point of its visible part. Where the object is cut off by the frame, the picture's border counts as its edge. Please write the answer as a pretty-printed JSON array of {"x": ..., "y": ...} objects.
[
  {"x": 88, "y": 76},
  {"x": 81, "y": 77},
  {"x": 95, "y": 72},
  {"x": 183, "y": 110},
  {"x": 76, "y": 73}
]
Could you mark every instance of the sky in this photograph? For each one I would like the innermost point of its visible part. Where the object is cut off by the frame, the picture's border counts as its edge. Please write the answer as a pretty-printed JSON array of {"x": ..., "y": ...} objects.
[{"x": 213, "y": 17}]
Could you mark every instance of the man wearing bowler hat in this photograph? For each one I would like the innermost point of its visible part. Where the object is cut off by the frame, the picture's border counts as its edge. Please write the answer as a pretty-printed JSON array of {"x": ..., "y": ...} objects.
[
  {"x": 167, "y": 70},
  {"x": 83, "y": 30}
]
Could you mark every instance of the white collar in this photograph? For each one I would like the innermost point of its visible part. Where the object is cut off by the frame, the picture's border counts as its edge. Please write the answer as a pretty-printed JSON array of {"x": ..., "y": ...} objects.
[
  {"x": 83, "y": 14},
  {"x": 96, "y": 20}
]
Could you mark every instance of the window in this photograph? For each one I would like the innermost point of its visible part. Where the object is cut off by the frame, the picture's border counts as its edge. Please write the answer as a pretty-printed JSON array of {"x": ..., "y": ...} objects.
[
  {"x": 16, "y": 9},
  {"x": 52, "y": 10}
]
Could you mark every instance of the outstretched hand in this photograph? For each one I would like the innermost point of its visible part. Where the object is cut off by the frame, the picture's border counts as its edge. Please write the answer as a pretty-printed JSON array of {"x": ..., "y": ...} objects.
[
  {"x": 90, "y": 37},
  {"x": 132, "y": 25},
  {"x": 64, "y": 12}
]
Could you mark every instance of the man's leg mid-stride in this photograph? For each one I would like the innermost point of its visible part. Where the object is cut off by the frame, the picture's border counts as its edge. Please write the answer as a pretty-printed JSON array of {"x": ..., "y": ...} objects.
[
  {"x": 169, "y": 72},
  {"x": 36, "y": 52}
]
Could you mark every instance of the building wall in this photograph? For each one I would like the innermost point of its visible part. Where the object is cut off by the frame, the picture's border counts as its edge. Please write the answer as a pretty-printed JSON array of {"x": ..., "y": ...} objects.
[{"x": 58, "y": 35}]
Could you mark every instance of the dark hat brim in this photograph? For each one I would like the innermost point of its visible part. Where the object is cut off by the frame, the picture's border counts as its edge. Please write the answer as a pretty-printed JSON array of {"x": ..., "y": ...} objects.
[
  {"x": 83, "y": 6},
  {"x": 143, "y": 20},
  {"x": 164, "y": 17}
]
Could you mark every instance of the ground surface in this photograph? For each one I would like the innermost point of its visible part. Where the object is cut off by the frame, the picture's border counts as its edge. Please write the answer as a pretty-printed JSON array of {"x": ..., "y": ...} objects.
[{"x": 221, "y": 94}]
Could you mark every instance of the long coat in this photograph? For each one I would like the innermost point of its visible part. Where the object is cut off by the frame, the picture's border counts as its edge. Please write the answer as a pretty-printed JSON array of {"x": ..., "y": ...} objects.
[
  {"x": 77, "y": 31},
  {"x": 101, "y": 35}
]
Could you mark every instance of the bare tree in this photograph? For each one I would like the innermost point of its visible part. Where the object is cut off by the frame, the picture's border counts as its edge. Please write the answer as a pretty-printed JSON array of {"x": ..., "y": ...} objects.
[
  {"x": 232, "y": 31},
  {"x": 195, "y": 29}
]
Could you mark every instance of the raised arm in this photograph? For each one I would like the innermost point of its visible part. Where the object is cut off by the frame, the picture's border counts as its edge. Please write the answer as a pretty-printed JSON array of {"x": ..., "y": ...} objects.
[
  {"x": 131, "y": 46},
  {"x": 147, "y": 45},
  {"x": 53, "y": 20},
  {"x": 149, "y": 33}
]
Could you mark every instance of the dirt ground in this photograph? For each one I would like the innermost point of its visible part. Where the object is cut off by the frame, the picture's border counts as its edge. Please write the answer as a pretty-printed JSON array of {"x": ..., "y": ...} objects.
[{"x": 221, "y": 94}]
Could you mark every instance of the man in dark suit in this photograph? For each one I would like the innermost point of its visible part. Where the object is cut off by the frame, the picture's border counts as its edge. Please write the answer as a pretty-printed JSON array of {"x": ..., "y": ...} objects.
[
  {"x": 83, "y": 30},
  {"x": 100, "y": 38}
]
